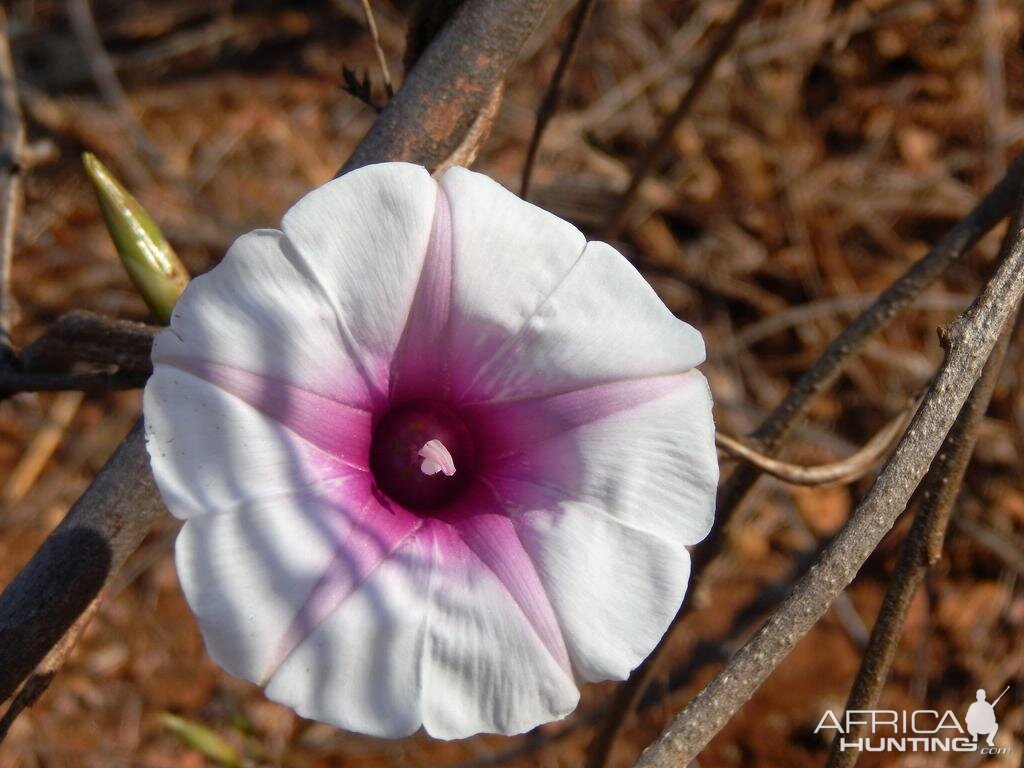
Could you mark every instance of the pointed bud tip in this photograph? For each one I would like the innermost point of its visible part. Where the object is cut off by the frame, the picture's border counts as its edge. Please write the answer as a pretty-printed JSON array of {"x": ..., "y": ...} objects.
[{"x": 147, "y": 256}]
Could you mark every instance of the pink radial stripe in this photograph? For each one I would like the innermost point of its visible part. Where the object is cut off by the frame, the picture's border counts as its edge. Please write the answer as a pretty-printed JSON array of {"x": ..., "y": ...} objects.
[
  {"x": 340, "y": 430},
  {"x": 420, "y": 365},
  {"x": 367, "y": 532},
  {"x": 502, "y": 429},
  {"x": 492, "y": 538}
]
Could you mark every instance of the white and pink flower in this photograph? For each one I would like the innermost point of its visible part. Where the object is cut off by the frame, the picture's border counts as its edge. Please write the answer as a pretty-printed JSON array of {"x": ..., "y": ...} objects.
[{"x": 439, "y": 457}]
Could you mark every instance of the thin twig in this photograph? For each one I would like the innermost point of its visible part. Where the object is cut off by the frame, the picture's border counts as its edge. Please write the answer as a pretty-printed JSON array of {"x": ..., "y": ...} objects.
[
  {"x": 371, "y": 22},
  {"x": 968, "y": 343},
  {"x": 553, "y": 95},
  {"x": 654, "y": 153},
  {"x": 921, "y": 549},
  {"x": 844, "y": 471},
  {"x": 12, "y": 144}
]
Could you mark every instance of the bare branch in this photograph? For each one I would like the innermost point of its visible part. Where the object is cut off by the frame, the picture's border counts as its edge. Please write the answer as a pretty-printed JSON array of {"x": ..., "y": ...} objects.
[
  {"x": 76, "y": 561},
  {"x": 770, "y": 437},
  {"x": 553, "y": 95},
  {"x": 452, "y": 83},
  {"x": 922, "y": 548},
  {"x": 82, "y": 351},
  {"x": 968, "y": 343},
  {"x": 85, "y": 340},
  {"x": 426, "y": 19}
]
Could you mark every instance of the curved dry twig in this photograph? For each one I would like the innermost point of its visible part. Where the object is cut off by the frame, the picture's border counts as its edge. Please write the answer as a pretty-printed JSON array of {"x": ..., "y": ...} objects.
[
  {"x": 846, "y": 470},
  {"x": 771, "y": 435}
]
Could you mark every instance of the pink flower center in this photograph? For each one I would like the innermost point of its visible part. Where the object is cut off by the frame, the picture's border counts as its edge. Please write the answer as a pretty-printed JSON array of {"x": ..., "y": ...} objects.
[{"x": 422, "y": 455}]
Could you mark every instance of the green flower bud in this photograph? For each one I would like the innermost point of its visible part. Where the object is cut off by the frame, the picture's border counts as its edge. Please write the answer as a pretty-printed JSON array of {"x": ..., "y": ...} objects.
[{"x": 151, "y": 262}]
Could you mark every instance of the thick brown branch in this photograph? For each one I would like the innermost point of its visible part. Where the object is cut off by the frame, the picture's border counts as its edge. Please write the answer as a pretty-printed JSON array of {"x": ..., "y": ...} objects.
[
  {"x": 82, "y": 351},
  {"x": 81, "y": 340},
  {"x": 76, "y": 561},
  {"x": 453, "y": 82},
  {"x": 968, "y": 342}
]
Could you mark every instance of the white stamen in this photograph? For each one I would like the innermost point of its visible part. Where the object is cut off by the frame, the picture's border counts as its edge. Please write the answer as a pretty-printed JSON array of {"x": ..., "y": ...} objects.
[{"x": 436, "y": 458}]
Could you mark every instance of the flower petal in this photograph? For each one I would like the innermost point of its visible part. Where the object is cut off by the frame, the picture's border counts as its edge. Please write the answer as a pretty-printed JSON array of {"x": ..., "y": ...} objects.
[
  {"x": 491, "y": 537},
  {"x": 244, "y": 572},
  {"x": 614, "y": 588},
  {"x": 367, "y": 529},
  {"x": 211, "y": 451},
  {"x": 508, "y": 257},
  {"x": 602, "y": 323},
  {"x": 258, "y": 311},
  {"x": 336, "y": 428},
  {"x": 263, "y": 578},
  {"x": 431, "y": 637},
  {"x": 506, "y": 427},
  {"x": 485, "y": 668},
  {"x": 361, "y": 668},
  {"x": 363, "y": 238},
  {"x": 421, "y": 365},
  {"x": 652, "y": 466}
]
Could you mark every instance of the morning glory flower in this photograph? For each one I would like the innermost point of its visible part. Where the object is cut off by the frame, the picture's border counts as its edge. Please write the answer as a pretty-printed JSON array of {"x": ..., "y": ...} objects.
[{"x": 438, "y": 457}]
